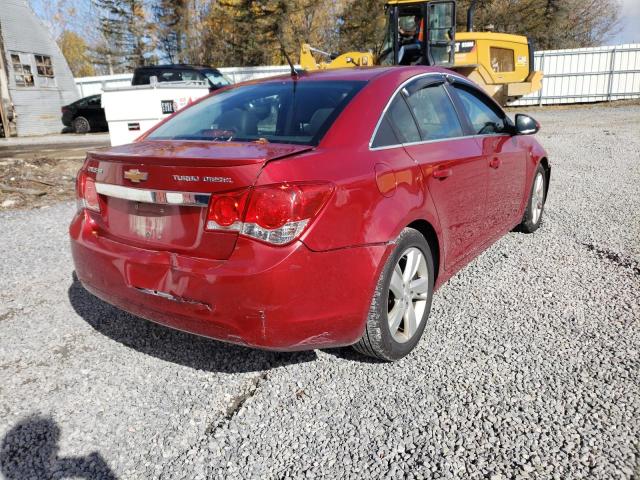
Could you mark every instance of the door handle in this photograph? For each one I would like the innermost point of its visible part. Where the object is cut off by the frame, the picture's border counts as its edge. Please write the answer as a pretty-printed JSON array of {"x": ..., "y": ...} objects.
[
  {"x": 442, "y": 173},
  {"x": 495, "y": 162}
]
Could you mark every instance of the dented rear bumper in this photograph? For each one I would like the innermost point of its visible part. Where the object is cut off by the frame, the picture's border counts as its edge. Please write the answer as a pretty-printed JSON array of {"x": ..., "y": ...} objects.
[{"x": 280, "y": 298}]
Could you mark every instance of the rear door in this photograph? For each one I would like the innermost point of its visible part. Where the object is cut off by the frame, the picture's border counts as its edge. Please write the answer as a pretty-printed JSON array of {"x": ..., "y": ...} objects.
[
  {"x": 505, "y": 158},
  {"x": 451, "y": 163}
]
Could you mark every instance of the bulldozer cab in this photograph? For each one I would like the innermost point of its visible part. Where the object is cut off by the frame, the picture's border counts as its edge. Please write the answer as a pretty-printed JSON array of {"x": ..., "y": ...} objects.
[{"x": 419, "y": 33}]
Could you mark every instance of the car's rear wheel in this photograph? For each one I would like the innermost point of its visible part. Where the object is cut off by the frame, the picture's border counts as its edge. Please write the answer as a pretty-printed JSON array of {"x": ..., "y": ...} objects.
[
  {"x": 535, "y": 207},
  {"x": 402, "y": 300},
  {"x": 81, "y": 125}
]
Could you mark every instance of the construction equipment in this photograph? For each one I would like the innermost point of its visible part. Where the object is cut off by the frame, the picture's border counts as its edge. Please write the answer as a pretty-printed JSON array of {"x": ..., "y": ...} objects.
[{"x": 424, "y": 33}]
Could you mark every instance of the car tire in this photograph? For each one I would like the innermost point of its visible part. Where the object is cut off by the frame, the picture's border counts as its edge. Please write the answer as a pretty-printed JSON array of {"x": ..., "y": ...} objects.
[
  {"x": 535, "y": 205},
  {"x": 390, "y": 333},
  {"x": 81, "y": 125}
]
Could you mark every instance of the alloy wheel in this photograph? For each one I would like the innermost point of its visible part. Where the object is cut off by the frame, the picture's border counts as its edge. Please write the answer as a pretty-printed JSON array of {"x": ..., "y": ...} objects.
[
  {"x": 537, "y": 198},
  {"x": 408, "y": 293}
]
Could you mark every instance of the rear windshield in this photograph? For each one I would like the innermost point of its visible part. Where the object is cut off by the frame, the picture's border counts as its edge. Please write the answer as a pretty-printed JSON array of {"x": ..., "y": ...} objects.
[{"x": 298, "y": 112}]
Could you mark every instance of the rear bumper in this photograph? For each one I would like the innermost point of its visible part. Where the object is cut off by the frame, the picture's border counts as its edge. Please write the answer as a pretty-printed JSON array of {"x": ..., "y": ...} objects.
[{"x": 280, "y": 298}]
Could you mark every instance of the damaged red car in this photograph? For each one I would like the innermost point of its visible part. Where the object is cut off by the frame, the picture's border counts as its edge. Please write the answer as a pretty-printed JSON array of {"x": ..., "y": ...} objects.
[{"x": 308, "y": 211}]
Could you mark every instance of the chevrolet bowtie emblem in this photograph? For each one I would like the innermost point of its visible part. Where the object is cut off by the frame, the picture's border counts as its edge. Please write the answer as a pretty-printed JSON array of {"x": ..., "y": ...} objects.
[{"x": 136, "y": 175}]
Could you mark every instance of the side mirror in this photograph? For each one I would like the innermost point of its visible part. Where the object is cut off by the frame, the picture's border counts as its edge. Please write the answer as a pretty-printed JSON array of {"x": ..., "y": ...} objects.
[{"x": 525, "y": 125}]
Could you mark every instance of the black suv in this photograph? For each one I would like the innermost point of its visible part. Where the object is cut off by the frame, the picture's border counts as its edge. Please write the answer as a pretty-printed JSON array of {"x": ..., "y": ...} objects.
[{"x": 180, "y": 73}]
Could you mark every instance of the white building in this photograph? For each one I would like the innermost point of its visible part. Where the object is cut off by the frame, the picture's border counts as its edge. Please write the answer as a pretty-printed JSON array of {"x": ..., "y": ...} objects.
[{"x": 35, "y": 80}]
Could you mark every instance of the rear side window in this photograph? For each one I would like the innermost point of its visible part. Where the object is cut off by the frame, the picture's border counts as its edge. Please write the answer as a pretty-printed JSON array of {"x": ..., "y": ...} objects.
[
  {"x": 298, "y": 112},
  {"x": 484, "y": 117},
  {"x": 94, "y": 101},
  {"x": 435, "y": 114},
  {"x": 397, "y": 126},
  {"x": 400, "y": 117},
  {"x": 385, "y": 136}
]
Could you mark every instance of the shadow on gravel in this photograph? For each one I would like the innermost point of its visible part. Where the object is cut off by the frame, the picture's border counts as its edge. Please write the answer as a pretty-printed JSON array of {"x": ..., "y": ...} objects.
[
  {"x": 350, "y": 355},
  {"x": 30, "y": 450},
  {"x": 172, "y": 345}
]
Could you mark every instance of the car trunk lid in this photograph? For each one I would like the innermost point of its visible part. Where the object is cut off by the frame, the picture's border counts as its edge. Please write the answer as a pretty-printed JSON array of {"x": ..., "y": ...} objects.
[{"x": 154, "y": 194}]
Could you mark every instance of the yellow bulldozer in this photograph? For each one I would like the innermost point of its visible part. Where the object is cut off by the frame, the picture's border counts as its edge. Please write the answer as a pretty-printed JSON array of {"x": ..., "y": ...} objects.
[{"x": 424, "y": 33}]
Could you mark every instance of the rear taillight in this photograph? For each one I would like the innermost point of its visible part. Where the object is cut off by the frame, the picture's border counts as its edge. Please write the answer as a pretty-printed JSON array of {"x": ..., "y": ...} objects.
[
  {"x": 86, "y": 192},
  {"x": 276, "y": 214},
  {"x": 225, "y": 211}
]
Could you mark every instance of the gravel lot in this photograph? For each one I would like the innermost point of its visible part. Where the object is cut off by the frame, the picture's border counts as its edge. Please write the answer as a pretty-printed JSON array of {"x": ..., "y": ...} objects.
[{"x": 529, "y": 367}]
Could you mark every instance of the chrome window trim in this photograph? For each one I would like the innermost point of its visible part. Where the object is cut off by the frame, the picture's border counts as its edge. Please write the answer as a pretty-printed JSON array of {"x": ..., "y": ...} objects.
[
  {"x": 159, "y": 197},
  {"x": 447, "y": 77},
  {"x": 437, "y": 140}
]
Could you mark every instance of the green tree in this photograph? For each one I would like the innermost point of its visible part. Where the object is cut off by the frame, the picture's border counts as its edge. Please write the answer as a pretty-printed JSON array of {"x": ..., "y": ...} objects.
[
  {"x": 126, "y": 34},
  {"x": 75, "y": 51},
  {"x": 549, "y": 24},
  {"x": 244, "y": 32},
  {"x": 173, "y": 29},
  {"x": 361, "y": 26}
]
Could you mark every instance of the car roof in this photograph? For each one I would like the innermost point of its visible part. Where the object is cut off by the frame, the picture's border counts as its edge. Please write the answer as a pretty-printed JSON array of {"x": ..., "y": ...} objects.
[{"x": 357, "y": 74}]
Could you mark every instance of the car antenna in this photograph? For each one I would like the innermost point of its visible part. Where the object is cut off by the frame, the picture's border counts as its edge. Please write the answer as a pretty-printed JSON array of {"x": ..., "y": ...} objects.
[{"x": 294, "y": 71}]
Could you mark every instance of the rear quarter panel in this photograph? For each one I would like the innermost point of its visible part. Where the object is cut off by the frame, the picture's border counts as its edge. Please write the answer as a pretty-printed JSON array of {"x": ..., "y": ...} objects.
[{"x": 358, "y": 213}]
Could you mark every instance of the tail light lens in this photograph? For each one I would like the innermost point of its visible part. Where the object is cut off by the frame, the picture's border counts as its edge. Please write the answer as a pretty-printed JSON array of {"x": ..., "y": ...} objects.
[
  {"x": 275, "y": 214},
  {"x": 225, "y": 211},
  {"x": 87, "y": 193}
]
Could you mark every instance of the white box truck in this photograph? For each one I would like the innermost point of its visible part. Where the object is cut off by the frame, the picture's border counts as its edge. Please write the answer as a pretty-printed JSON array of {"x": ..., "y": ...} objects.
[
  {"x": 131, "y": 111},
  {"x": 156, "y": 92}
]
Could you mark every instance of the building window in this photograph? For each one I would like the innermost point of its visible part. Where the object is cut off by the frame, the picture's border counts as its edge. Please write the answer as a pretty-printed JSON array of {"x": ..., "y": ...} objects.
[
  {"x": 22, "y": 72},
  {"x": 43, "y": 66}
]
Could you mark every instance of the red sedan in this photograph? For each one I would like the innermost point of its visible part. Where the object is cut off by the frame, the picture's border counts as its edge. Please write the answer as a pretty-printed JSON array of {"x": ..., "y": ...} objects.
[{"x": 305, "y": 212}]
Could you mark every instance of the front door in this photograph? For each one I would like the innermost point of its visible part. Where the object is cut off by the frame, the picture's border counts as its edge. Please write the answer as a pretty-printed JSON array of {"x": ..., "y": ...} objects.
[
  {"x": 453, "y": 167},
  {"x": 505, "y": 159},
  {"x": 441, "y": 33}
]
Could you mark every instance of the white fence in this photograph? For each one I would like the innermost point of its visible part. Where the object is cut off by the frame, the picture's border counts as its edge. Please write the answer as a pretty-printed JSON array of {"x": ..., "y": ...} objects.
[
  {"x": 570, "y": 76},
  {"x": 587, "y": 75}
]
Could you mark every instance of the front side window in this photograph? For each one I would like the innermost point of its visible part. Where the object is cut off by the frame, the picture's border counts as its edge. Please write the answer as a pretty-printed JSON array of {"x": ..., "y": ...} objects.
[
  {"x": 191, "y": 76},
  {"x": 22, "y": 73},
  {"x": 298, "y": 112},
  {"x": 484, "y": 118},
  {"x": 435, "y": 113}
]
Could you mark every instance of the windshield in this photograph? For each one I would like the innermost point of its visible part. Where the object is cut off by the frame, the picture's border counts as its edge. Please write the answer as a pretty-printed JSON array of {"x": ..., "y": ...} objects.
[
  {"x": 298, "y": 112},
  {"x": 216, "y": 79}
]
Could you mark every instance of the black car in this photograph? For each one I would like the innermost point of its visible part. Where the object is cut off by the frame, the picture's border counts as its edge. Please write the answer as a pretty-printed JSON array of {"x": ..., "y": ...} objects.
[
  {"x": 180, "y": 73},
  {"x": 85, "y": 115}
]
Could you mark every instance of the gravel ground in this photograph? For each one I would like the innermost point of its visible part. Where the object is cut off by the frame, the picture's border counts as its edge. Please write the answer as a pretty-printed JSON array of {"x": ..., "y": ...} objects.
[{"x": 528, "y": 368}]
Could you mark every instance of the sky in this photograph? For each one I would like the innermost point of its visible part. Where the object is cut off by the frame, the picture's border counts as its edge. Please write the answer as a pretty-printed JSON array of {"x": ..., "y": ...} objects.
[{"x": 629, "y": 25}]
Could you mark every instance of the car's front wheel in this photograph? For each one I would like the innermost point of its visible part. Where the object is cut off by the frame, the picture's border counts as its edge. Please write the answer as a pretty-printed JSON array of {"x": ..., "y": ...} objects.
[
  {"x": 535, "y": 207},
  {"x": 81, "y": 125},
  {"x": 402, "y": 300}
]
